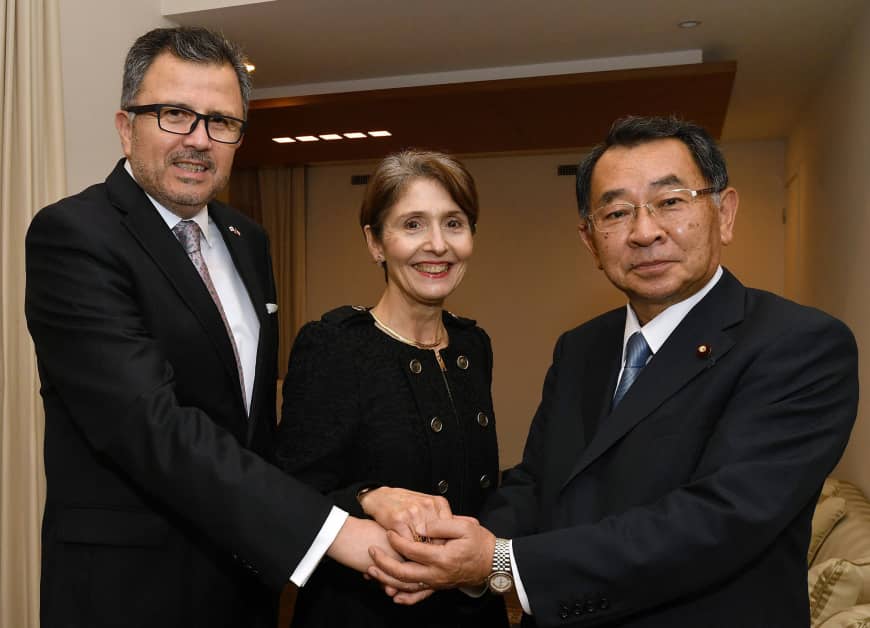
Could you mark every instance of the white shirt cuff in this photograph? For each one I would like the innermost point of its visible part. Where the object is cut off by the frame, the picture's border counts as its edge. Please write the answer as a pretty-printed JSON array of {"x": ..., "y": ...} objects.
[
  {"x": 330, "y": 529},
  {"x": 518, "y": 582}
]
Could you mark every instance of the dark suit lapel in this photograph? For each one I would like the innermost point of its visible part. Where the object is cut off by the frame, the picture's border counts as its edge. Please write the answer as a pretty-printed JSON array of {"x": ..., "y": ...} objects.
[
  {"x": 675, "y": 365},
  {"x": 585, "y": 403},
  {"x": 239, "y": 244},
  {"x": 150, "y": 230},
  {"x": 603, "y": 362}
]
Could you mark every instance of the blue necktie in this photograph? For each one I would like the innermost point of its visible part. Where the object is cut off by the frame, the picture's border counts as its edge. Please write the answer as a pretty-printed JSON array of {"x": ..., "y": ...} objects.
[{"x": 637, "y": 353}]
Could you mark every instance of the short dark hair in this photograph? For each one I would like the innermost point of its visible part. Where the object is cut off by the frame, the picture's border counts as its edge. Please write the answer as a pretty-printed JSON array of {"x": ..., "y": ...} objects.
[
  {"x": 634, "y": 130},
  {"x": 189, "y": 43},
  {"x": 395, "y": 172}
]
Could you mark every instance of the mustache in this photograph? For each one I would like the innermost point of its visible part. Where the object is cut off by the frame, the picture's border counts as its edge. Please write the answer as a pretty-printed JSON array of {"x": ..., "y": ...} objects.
[{"x": 193, "y": 155}]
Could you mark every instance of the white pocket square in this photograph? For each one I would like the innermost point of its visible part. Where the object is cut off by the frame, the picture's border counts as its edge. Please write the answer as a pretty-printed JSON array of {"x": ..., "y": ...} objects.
[{"x": 271, "y": 308}]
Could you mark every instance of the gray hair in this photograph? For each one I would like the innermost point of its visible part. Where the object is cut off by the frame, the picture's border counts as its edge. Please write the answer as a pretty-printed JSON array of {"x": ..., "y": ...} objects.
[
  {"x": 189, "y": 43},
  {"x": 634, "y": 130}
]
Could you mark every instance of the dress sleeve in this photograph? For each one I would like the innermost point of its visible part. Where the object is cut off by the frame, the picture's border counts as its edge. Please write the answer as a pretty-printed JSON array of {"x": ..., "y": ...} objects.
[{"x": 320, "y": 414}]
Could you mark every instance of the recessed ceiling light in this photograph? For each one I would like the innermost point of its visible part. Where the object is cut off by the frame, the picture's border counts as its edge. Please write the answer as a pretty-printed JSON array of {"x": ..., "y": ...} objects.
[
  {"x": 283, "y": 140},
  {"x": 250, "y": 67},
  {"x": 354, "y": 135},
  {"x": 689, "y": 23},
  {"x": 380, "y": 133},
  {"x": 330, "y": 136},
  {"x": 307, "y": 138}
]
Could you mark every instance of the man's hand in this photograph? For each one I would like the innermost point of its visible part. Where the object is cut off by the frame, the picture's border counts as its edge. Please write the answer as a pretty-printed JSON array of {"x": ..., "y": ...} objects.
[
  {"x": 403, "y": 511},
  {"x": 351, "y": 548},
  {"x": 465, "y": 559}
]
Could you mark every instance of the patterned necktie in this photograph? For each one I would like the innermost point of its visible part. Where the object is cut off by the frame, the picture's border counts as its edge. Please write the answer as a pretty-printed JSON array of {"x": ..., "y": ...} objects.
[
  {"x": 189, "y": 234},
  {"x": 637, "y": 353}
]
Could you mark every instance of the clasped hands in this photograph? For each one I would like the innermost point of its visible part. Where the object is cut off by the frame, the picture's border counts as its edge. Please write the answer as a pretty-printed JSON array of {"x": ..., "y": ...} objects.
[{"x": 430, "y": 547}]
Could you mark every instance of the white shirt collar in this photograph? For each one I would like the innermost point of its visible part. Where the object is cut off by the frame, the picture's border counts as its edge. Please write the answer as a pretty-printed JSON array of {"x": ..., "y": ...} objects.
[
  {"x": 171, "y": 219},
  {"x": 657, "y": 330}
]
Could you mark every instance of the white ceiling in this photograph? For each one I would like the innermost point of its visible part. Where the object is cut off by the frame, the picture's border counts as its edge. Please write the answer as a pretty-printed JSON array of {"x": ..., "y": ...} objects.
[{"x": 782, "y": 47}]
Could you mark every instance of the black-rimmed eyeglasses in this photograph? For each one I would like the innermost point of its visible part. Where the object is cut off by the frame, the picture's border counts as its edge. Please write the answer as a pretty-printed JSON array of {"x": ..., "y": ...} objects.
[{"x": 183, "y": 121}]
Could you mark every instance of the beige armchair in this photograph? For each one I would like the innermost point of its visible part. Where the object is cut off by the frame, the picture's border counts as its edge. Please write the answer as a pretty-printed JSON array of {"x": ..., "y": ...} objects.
[{"x": 839, "y": 558}]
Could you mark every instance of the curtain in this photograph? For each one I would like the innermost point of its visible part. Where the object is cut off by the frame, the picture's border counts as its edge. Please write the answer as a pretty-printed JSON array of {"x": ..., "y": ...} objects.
[
  {"x": 275, "y": 197},
  {"x": 31, "y": 176}
]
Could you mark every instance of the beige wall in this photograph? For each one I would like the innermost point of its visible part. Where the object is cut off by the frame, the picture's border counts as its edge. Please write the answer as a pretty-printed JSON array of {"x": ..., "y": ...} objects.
[
  {"x": 829, "y": 211},
  {"x": 530, "y": 278},
  {"x": 95, "y": 36}
]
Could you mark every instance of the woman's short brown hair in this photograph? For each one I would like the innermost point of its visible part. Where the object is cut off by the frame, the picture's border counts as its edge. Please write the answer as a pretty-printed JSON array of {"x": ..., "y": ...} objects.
[{"x": 395, "y": 172}]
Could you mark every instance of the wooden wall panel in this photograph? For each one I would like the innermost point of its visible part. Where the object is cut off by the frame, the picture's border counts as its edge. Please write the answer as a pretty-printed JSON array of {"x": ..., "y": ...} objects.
[{"x": 541, "y": 113}]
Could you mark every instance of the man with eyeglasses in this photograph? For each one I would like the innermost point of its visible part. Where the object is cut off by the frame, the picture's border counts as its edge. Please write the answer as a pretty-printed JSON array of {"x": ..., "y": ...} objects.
[
  {"x": 152, "y": 310},
  {"x": 672, "y": 468}
]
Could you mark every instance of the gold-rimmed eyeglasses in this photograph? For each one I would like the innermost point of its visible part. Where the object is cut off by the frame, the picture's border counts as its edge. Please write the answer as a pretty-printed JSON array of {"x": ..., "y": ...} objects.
[
  {"x": 667, "y": 208},
  {"x": 183, "y": 121}
]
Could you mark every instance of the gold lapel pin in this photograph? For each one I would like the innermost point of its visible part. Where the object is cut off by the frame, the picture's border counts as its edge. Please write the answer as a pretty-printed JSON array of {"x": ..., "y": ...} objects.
[
  {"x": 235, "y": 231},
  {"x": 703, "y": 351}
]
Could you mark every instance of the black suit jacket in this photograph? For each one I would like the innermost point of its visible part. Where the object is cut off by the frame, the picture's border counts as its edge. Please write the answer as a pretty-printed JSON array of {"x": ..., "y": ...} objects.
[
  {"x": 690, "y": 504},
  {"x": 160, "y": 510}
]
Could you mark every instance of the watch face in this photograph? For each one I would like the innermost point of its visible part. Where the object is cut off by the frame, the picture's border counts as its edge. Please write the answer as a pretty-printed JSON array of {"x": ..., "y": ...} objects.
[{"x": 500, "y": 582}]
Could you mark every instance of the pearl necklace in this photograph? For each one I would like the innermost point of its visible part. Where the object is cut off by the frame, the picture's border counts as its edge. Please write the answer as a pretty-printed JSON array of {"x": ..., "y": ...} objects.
[{"x": 394, "y": 334}]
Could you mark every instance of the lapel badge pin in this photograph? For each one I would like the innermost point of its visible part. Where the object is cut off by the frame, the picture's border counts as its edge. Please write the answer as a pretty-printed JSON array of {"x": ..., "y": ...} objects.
[
  {"x": 235, "y": 231},
  {"x": 703, "y": 351}
]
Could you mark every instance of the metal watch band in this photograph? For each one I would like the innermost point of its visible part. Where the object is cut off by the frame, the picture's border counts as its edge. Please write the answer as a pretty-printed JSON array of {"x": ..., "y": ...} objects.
[
  {"x": 501, "y": 556},
  {"x": 500, "y": 579}
]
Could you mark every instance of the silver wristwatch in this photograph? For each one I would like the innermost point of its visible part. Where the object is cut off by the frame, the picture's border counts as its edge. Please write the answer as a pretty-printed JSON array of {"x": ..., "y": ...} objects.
[{"x": 501, "y": 579}]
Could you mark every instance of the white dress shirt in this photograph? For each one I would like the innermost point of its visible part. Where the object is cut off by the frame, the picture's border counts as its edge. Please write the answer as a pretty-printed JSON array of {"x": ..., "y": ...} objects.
[
  {"x": 245, "y": 327},
  {"x": 655, "y": 332},
  {"x": 231, "y": 290}
]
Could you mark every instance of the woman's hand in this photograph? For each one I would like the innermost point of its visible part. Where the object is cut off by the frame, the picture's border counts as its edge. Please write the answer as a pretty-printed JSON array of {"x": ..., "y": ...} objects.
[{"x": 405, "y": 512}]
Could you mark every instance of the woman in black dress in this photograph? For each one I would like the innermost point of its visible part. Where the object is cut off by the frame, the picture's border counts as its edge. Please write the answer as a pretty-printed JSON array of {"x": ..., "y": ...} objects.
[{"x": 397, "y": 395}]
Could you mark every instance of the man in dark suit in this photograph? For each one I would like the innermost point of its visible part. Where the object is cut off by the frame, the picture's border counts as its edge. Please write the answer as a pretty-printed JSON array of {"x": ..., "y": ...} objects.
[
  {"x": 672, "y": 467},
  {"x": 151, "y": 307}
]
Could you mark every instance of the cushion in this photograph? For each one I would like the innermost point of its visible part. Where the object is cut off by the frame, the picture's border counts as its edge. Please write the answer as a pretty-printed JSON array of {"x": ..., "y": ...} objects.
[
  {"x": 830, "y": 488},
  {"x": 855, "y": 617},
  {"x": 849, "y": 538},
  {"x": 837, "y": 585},
  {"x": 827, "y": 514}
]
